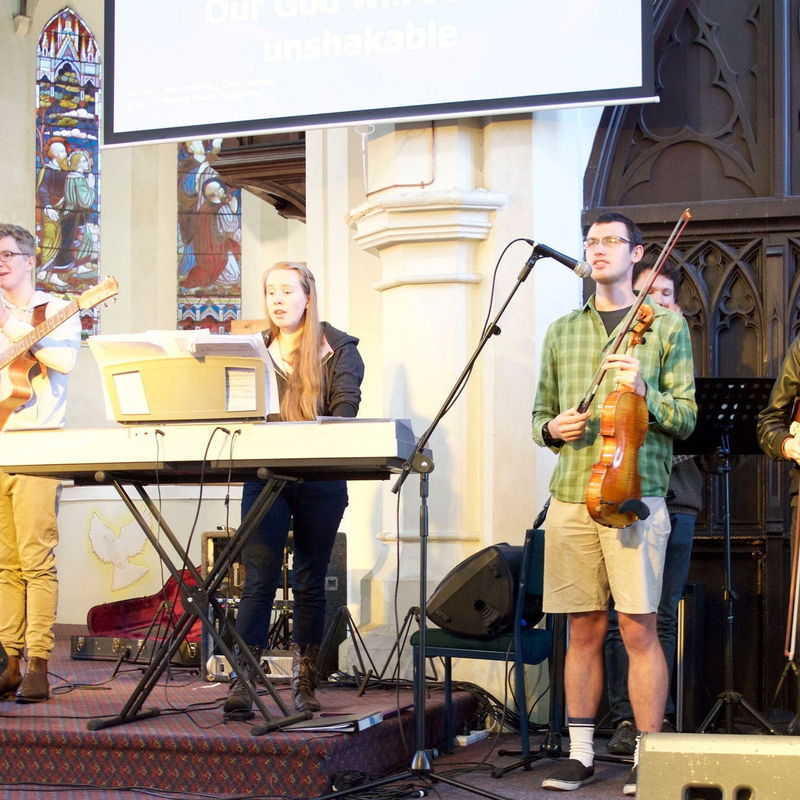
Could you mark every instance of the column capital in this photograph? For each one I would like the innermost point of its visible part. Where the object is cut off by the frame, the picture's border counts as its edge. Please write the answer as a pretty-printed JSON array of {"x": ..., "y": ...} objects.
[{"x": 424, "y": 215}]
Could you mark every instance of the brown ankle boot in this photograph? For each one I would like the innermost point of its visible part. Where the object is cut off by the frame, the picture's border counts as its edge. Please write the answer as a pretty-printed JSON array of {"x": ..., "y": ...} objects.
[
  {"x": 34, "y": 687},
  {"x": 10, "y": 679},
  {"x": 239, "y": 705},
  {"x": 304, "y": 676}
]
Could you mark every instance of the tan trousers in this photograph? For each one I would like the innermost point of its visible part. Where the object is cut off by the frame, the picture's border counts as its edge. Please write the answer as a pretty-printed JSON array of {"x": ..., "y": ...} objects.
[
  {"x": 585, "y": 562},
  {"x": 28, "y": 579}
]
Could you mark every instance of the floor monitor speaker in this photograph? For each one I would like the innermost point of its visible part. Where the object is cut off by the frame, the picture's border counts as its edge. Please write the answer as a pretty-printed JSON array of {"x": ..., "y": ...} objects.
[
  {"x": 476, "y": 598},
  {"x": 704, "y": 766}
]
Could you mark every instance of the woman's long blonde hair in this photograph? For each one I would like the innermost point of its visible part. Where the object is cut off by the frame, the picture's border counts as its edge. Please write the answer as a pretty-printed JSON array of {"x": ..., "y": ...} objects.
[{"x": 303, "y": 395}]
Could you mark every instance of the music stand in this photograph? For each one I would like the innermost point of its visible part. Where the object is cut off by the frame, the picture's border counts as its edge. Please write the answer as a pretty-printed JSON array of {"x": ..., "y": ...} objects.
[{"x": 726, "y": 425}]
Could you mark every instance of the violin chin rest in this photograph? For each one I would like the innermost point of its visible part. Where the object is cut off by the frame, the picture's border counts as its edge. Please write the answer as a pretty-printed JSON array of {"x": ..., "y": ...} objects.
[{"x": 635, "y": 507}]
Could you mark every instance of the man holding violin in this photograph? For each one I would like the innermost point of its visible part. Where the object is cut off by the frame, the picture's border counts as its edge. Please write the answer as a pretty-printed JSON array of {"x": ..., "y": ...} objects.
[{"x": 587, "y": 563}]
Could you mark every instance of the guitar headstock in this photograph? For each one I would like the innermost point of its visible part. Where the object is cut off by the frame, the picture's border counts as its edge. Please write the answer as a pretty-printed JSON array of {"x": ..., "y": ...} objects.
[{"x": 97, "y": 294}]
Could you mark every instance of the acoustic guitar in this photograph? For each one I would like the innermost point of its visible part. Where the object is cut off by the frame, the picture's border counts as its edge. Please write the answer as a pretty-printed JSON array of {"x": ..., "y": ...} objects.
[{"x": 20, "y": 361}]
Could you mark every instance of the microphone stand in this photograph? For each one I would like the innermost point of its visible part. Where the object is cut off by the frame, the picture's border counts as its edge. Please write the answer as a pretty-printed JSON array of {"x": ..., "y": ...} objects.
[{"x": 421, "y": 462}]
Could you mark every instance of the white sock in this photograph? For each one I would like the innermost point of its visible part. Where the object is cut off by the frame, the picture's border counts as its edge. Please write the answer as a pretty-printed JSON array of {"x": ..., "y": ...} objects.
[
  {"x": 636, "y": 751},
  {"x": 581, "y": 740}
]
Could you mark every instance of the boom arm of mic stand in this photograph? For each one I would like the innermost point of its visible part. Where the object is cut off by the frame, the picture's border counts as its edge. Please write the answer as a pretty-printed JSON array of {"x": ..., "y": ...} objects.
[{"x": 420, "y": 461}]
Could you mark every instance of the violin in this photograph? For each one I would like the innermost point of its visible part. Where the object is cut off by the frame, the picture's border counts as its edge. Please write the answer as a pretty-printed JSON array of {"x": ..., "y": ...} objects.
[
  {"x": 613, "y": 494},
  {"x": 614, "y": 490}
]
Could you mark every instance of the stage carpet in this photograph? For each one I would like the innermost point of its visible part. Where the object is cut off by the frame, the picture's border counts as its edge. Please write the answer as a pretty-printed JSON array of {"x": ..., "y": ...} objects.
[{"x": 189, "y": 748}]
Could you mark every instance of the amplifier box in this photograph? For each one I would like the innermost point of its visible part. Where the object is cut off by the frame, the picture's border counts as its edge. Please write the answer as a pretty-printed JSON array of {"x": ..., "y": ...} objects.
[
  {"x": 275, "y": 663},
  {"x": 279, "y": 631},
  {"x": 135, "y": 651}
]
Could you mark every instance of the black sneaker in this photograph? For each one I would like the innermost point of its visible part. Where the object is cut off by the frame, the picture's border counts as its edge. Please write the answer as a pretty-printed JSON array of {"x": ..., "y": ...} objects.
[
  {"x": 623, "y": 742},
  {"x": 568, "y": 775},
  {"x": 629, "y": 789}
]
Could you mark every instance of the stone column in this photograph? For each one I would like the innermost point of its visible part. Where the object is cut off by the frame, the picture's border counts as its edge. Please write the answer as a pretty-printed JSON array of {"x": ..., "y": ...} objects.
[{"x": 425, "y": 215}]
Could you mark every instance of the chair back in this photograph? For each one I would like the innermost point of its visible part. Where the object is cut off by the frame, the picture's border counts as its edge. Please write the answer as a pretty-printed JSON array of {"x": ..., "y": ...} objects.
[
  {"x": 531, "y": 581},
  {"x": 531, "y": 645}
]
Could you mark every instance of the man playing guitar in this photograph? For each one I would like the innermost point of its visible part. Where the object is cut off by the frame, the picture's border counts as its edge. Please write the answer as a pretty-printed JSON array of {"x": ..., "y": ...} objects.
[{"x": 28, "y": 524}]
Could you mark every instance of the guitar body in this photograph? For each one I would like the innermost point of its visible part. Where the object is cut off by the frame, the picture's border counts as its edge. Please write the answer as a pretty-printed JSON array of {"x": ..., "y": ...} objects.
[
  {"x": 19, "y": 378},
  {"x": 18, "y": 375},
  {"x": 19, "y": 362}
]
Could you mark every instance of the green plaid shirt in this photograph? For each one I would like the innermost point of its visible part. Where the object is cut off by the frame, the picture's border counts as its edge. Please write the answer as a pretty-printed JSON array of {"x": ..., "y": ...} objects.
[{"x": 573, "y": 349}]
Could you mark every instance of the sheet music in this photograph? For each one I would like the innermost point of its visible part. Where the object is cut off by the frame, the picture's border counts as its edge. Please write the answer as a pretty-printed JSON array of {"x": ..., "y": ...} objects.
[
  {"x": 248, "y": 345},
  {"x": 130, "y": 390},
  {"x": 240, "y": 389}
]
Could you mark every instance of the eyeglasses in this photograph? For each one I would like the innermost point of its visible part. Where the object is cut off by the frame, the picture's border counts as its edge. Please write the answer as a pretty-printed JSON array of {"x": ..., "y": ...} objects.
[
  {"x": 606, "y": 241},
  {"x": 7, "y": 255}
]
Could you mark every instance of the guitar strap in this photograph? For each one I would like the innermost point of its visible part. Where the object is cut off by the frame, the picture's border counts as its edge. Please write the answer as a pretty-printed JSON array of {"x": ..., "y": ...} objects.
[
  {"x": 38, "y": 314},
  {"x": 37, "y": 319}
]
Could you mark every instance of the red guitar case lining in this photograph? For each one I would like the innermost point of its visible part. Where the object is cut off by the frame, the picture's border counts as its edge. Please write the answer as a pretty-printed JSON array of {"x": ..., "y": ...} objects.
[{"x": 133, "y": 617}]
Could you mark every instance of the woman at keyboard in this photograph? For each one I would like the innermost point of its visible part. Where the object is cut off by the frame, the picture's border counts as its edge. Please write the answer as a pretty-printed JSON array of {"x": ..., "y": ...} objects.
[{"x": 319, "y": 373}]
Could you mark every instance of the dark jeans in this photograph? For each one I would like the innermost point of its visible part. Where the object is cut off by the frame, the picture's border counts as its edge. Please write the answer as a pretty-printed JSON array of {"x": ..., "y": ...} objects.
[
  {"x": 315, "y": 509},
  {"x": 676, "y": 571}
]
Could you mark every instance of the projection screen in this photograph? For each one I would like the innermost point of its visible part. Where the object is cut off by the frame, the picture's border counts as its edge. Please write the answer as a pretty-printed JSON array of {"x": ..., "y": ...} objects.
[{"x": 178, "y": 69}]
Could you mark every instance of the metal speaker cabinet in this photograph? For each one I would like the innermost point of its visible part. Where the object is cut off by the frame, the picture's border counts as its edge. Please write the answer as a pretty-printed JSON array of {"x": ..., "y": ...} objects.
[{"x": 695, "y": 766}]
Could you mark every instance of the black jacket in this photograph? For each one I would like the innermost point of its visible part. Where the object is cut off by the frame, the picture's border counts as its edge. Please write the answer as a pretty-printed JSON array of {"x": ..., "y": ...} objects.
[
  {"x": 773, "y": 421},
  {"x": 342, "y": 373},
  {"x": 685, "y": 495}
]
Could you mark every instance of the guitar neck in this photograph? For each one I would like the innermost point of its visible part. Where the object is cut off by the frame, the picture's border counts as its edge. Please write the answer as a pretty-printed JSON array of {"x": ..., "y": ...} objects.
[{"x": 39, "y": 332}]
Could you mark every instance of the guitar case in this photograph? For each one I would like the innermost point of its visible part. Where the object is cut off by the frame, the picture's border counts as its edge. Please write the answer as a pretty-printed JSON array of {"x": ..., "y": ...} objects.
[{"x": 132, "y": 618}]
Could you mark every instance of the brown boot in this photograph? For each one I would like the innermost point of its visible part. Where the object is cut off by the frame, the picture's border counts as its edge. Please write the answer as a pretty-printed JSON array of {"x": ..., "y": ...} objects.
[
  {"x": 304, "y": 676},
  {"x": 34, "y": 687},
  {"x": 239, "y": 705},
  {"x": 10, "y": 679}
]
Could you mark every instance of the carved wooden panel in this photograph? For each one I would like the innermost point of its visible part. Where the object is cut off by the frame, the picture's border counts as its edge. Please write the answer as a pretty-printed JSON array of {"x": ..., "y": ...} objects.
[
  {"x": 710, "y": 137},
  {"x": 272, "y": 166}
]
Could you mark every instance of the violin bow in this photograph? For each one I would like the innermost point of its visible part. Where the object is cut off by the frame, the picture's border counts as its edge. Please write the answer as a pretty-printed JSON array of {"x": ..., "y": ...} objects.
[{"x": 630, "y": 317}]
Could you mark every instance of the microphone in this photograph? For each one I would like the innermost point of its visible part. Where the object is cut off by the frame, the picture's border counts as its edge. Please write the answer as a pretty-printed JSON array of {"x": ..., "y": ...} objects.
[{"x": 580, "y": 268}]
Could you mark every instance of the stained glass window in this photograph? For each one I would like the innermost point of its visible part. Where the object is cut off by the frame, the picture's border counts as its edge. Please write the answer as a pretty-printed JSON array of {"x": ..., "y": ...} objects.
[
  {"x": 68, "y": 83},
  {"x": 209, "y": 240}
]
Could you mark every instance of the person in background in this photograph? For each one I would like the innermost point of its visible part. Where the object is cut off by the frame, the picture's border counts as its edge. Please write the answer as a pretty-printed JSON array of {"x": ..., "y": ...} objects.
[{"x": 684, "y": 503}]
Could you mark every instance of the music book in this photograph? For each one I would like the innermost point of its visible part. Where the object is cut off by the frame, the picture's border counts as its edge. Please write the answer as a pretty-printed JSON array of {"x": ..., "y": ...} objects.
[{"x": 339, "y": 723}]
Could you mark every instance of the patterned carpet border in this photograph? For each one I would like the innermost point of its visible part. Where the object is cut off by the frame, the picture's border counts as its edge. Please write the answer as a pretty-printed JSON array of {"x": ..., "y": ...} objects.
[{"x": 49, "y": 743}]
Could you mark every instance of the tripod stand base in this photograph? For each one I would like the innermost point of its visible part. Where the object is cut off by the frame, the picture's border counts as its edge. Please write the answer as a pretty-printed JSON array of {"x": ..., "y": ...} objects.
[
  {"x": 112, "y": 722},
  {"x": 428, "y": 776},
  {"x": 793, "y": 728},
  {"x": 549, "y": 748},
  {"x": 280, "y": 722},
  {"x": 728, "y": 701}
]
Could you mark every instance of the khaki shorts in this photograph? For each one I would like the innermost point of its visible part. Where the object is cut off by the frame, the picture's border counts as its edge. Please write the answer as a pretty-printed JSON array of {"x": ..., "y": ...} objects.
[{"x": 585, "y": 563}]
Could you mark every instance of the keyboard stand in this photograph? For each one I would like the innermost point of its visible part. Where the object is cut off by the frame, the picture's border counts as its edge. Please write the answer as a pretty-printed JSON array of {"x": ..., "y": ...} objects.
[{"x": 197, "y": 600}]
